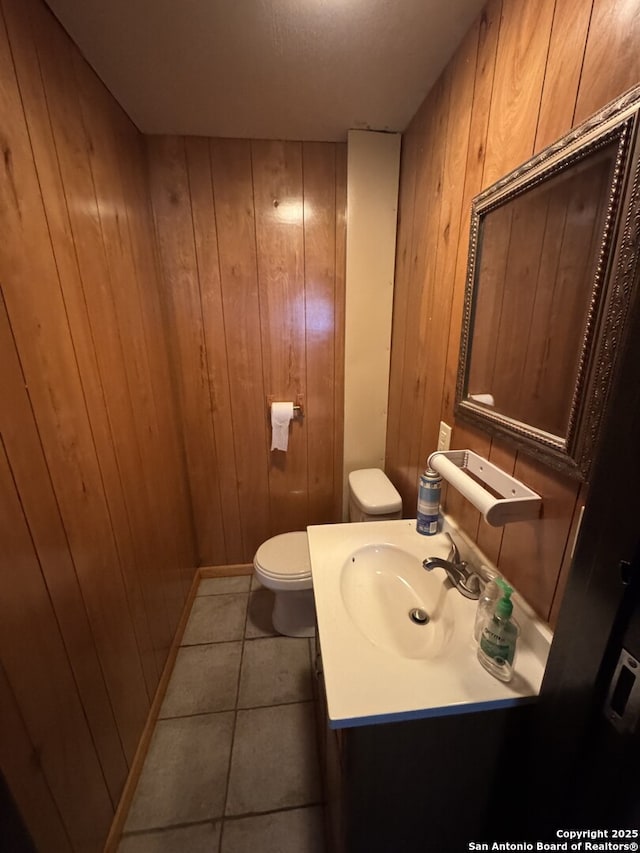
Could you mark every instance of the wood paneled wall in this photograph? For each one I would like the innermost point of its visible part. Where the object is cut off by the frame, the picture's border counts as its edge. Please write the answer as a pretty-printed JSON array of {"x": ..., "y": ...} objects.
[
  {"x": 527, "y": 72},
  {"x": 97, "y": 537},
  {"x": 252, "y": 241}
]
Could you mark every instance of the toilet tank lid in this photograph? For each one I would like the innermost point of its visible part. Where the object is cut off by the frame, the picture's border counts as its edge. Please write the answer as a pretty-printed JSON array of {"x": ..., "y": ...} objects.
[
  {"x": 373, "y": 492},
  {"x": 285, "y": 554}
]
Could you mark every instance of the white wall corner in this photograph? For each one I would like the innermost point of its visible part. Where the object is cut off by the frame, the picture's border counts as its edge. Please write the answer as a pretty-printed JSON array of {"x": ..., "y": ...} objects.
[{"x": 373, "y": 166}]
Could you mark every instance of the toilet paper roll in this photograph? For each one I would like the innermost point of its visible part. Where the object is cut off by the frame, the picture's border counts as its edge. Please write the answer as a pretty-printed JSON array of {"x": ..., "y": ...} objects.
[
  {"x": 281, "y": 415},
  {"x": 487, "y": 399}
]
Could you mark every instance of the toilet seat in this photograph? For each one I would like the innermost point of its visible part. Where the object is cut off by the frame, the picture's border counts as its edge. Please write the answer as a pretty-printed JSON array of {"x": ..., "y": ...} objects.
[{"x": 282, "y": 562}]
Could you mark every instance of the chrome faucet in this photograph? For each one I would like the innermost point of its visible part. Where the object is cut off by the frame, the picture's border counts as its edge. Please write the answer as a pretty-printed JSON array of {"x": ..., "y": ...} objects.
[{"x": 466, "y": 580}]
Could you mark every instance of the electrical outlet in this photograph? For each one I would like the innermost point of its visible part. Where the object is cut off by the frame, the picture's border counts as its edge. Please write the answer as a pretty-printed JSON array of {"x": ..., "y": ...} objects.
[{"x": 444, "y": 436}]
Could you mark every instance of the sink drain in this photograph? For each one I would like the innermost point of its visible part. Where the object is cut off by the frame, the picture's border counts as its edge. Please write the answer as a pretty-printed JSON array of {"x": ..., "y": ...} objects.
[{"x": 419, "y": 616}]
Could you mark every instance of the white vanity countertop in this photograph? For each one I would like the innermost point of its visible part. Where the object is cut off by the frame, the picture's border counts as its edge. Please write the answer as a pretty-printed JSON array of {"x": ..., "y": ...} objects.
[{"x": 366, "y": 683}]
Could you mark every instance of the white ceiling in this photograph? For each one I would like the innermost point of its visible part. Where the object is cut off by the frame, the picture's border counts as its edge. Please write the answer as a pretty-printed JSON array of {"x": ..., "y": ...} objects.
[{"x": 283, "y": 69}]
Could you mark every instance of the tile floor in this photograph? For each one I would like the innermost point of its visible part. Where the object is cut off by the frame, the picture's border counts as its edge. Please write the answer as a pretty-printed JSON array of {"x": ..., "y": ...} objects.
[{"x": 233, "y": 764}]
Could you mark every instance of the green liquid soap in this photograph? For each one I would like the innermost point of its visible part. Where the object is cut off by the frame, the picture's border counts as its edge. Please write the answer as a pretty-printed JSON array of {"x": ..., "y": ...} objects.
[{"x": 497, "y": 647}]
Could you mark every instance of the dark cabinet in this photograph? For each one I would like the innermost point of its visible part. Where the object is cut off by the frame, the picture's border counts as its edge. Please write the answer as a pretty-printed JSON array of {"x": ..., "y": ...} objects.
[{"x": 427, "y": 784}]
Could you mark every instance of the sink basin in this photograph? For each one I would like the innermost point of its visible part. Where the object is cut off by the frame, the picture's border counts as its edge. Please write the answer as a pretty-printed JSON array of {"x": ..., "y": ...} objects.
[
  {"x": 381, "y": 585},
  {"x": 378, "y": 666}
]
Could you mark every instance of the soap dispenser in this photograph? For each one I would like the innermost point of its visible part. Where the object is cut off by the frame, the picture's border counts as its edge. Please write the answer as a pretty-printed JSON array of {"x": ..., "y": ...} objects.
[
  {"x": 493, "y": 591},
  {"x": 497, "y": 647}
]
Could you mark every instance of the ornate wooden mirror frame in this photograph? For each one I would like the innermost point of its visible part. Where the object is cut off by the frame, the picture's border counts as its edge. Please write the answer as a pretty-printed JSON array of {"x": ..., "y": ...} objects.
[{"x": 553, "y": 264}]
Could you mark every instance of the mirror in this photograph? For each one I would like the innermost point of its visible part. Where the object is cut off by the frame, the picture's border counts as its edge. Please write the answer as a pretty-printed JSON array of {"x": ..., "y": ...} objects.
[{"x": 552, "y": 266}]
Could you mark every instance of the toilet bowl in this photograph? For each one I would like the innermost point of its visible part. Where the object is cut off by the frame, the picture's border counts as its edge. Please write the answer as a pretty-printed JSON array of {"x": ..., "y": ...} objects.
[{"x": 282, "y": 563}]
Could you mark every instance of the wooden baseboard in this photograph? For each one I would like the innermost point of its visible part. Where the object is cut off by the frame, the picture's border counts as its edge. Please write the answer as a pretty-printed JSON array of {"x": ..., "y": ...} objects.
[{"x": 117, "y": 825}]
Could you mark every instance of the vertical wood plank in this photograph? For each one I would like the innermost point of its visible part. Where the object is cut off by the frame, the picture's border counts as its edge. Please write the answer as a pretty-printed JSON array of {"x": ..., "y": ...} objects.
[
  {"x": 401, "y": 294},
  {"x": 462, "y": 71},
  {"x": 532, "y": 551},
  {"x": 277, "y": 192},
  {"x": 29, "y": 789},
  {"x": 564, "y": 66},
  {"x": 488, "y": 313},
  {"x": 567, "y": 560},
  {"x": 488, "y": 28},
  {"x": 174, "y": 224},
  {"x": 431, "y": 323},
  {"x": 235, "y": 218},
  {"x": 517, "y": 302},
  {"x": 551, "y": 368},
  {"x": 515, "y": 101},
  {"x": 208, "y": 267},
  {"x": 406, "y": 481},
  {"x": 612, "y": 59},
  {"x": 38, "y": 671}
]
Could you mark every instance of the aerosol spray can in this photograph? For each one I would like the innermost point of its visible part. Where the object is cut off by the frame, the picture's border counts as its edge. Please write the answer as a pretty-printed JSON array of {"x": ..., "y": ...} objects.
[{"x": 429, "y": 502}]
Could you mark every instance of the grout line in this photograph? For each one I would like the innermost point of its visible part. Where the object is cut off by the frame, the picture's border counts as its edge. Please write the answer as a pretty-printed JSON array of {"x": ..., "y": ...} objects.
[
  {"x": 276, "y": 705},
  {"x": 211, "y": 643},
  {"x": 222, "y": 819},
  {"x": 235, "y": 719},
  {"x": 235, "y": 640},
  {"x": 237, "y": 707},
  {"x": 159, "y": 829},
  {"x": 196, "y": 714},
  {"x": 312, "y": 805}
]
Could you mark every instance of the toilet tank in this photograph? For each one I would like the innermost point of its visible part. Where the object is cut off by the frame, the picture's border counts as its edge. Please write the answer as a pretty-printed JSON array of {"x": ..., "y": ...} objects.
[{"x": 372, "y": 496}]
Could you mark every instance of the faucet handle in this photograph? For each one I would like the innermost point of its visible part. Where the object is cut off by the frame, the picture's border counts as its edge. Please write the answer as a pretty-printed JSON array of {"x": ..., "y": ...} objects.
[
  {"x": 474, "y": 584},
  {"x": 454, "y": 548}
]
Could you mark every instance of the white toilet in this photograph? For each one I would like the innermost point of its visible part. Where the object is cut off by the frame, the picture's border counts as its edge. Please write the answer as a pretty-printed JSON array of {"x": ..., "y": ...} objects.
[{"x": 282, "y": 562}]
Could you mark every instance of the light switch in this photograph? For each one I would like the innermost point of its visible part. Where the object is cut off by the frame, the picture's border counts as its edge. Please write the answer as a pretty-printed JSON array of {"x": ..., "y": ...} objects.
[{"x": 444, "y": 436}]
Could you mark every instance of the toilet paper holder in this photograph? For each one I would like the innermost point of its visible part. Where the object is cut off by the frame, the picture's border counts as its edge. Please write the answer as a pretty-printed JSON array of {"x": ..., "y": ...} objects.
[{"x": 298, "y": 404}]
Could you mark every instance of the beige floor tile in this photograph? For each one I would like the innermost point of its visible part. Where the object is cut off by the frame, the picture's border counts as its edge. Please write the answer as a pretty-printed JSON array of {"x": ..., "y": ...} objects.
[
  {"x": 274, "y": 763},
  {"x": 204, "y": 679},
  {"x": 220, "y": 586},
  {"x": 274, "y": 670},
  {"x": 185, "y": 772},
  {"x": 216, "y": 619},
  {"x": 200, "y": 838},
  {"x": 294, "y": 831}
]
